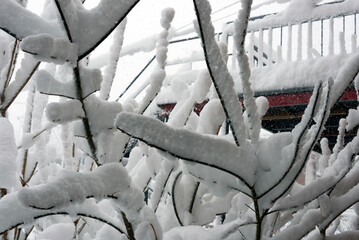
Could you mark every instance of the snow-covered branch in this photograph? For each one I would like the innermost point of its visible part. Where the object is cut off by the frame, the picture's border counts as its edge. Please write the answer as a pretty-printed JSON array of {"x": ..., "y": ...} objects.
[
  {"x": 79, "y": 20},
  {"x": 192, "y": 147},
  {"x": 240, "y": 33},
  {"x": 9, "y": 12},
  {"x": 217, "y": 68}
]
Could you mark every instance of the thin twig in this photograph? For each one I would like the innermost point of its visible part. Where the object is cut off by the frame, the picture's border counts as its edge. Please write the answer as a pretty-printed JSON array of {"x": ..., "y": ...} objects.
[
  {"x": 128, "y": 225},
  {"x": 193, "y": 197},
  {"x": 66, "y": 26},
  {"x": 71, "y": 214},
  {"x": 163, "y": 189},
  {"x": 315, "y": 98},
  {"x": 18, "y": 91},
  {"x": 9, "y": 72},
  {"x": 154, "y": 231},
  {"x": 313, "y": 141},
  {"x": 211, "y": 71},
  {"x": 109, "y": 32},
  {"x": 24, "y": 181},
  {"x": 174, "y": 198}
]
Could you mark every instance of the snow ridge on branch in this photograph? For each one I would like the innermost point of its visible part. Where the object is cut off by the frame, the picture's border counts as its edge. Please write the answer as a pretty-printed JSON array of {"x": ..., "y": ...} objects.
[{"x": 221, "y": 78}]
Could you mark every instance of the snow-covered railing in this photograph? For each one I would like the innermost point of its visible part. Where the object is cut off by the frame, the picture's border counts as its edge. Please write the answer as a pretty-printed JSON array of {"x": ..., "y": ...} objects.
[
  {"x": 302, "y": 32},
  {"x": 295, "y": 34}
]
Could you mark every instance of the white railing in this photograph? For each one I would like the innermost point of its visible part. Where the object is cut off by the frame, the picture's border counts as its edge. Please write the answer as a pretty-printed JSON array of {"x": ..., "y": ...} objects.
[{"x": 327, "y": 30}]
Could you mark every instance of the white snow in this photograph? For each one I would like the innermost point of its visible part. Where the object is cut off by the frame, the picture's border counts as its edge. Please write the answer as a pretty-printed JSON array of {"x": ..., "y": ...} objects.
[
  {"x": 102, "y": 114},
  {"x": 87, "y": 27},
  {"x": 28, "y": 25},
  {"x": 71, "y": 187},
  {"x": 159, "y": 74},
  {"x": 64, "y": 111},
  {"x": 187, "y": 145},
  {"x": 220, "y": 75},
  {"x": 46, "y": 48},
  {"x": 8, "y": 152}
]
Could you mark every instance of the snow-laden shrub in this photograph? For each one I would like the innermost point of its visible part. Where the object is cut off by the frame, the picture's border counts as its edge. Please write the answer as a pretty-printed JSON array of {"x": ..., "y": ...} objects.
[{"x": 206, "y": 184}]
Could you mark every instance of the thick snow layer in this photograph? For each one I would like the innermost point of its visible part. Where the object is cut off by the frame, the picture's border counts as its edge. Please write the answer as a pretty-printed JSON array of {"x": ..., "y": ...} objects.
[
  {"x": 14, "y": 213},
  {"x": 272, "y": 162},
  {"x": 8, "y": 152},
  {"x": 88, "y": 27},
  {"x": 58, "y": 231},
  {"x": 28, "y": 24},
  {"x": 221, "y": 78},
  {"x": 64, "y": 111},
  {"x": 226, "y": 231},
  {"x": 302, "y": 11},
  {"x": 159, "y": 74},
  {"x": 297, "y": 74},
  {"x": 47, "y": 84},
  {"x": 72, "y": 187},
  {"x": 114, "y": 55},
  {"x": 90, "y": 83},
  {"x": 281, "y": 76},
  {"x": 241, "y": 25},
  {"x": 28, "y": 66},
  {"x": 195, "y": 148},
  {"x": 91, "y": 79},
  {"x": 102, "y": 114},
  {"x": 46, "y": 48},
  {"x": 211, "y": 117}
]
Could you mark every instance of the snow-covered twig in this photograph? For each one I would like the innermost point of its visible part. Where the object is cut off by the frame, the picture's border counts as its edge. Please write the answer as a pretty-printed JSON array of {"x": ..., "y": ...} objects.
[
  {"x": 115, "y": 50},
  {"x": 240, "y": 33},
  {"x": 159, "y": 74},
  {"x": 202, "y": 152},
  {"x": 300, "y": 131},
  {"x": 174, "y": 197},
  {"x": 219, "y": 73},
  {"x": 306, "y": 148},
  {"x": 156, "y": 201},
  {"x": 9, "y": 21},
  {"x": 68, "y": 213},
  {"x": 15, "y": 88},
  {"x": 87, "y": 41},
  {"x": 11, "y": 66}
]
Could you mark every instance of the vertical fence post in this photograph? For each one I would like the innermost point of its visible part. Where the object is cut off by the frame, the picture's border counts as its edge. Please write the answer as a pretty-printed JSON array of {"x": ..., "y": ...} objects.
[
  {"x": 279, "y": 54},
  {"x": 251, "y": 49},
  {"x": 289, "y": 43},
  {"x": 260, "y": 48},
  {"x": 331, "y": 37},
  {"x": 299, "y": 47},
  {"x": 354, "y": 43},
  {"x": 310, "y": 40},
  {"x": 321, "y": 38},
  {"x": 270, "y": 46},
  {"x": 354, "y": 36}
]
